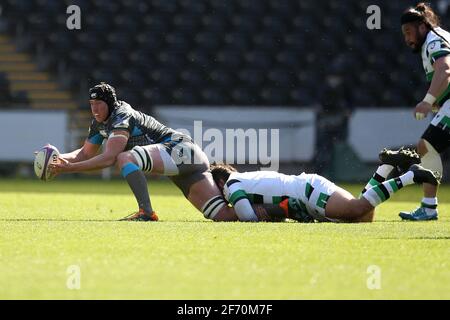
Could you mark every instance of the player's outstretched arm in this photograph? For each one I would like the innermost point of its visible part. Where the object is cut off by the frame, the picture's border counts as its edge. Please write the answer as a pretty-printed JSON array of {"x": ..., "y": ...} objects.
[
  {"x": 115, "y": 145},
  {"x": 87, "y": 151}
]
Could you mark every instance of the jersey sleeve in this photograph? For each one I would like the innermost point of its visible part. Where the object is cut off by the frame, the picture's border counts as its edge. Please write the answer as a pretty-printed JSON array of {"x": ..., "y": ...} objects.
[
  {"x": 122, "y": 122},
  {"x": 237, "y": 197},
  {"x": 94, "y": 135},
  {"x": 437, "y": 49}
]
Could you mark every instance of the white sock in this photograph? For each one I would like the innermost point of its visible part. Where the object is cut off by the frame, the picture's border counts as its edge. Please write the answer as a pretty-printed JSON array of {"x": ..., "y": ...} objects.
[
  {"x": 407, "y": 178},
  {"x": 378, "y": 177},
  {"x": 430, "y": 205},
  {"x": 382, "y": 192},
  {"x": 384, "y": 170}
]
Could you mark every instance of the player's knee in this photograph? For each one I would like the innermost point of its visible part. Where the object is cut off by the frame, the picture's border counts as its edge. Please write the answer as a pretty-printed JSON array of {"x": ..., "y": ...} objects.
[
  {"x": 124, "y": 158},
  {"x": 126, "y": 164},
  {"x": 361, "y": 207},
  {"x": 366, "y": 218},
  {"x": 422, "y": 148}
]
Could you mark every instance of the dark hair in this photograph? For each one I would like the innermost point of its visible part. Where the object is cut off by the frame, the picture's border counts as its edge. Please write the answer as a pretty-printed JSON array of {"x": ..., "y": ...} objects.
[
  {"x": 221, "y": 171},
  {"x": 104, "y": 92},
  {"x": 421, "y": 13}
]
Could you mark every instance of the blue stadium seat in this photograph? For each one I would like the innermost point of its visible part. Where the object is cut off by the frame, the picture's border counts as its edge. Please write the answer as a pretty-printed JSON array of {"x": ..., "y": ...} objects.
[
  {"x": 247, "y": 24},
  {"x": 200, "y": 58},
  {"x": 193, "y": 78},
  {"x": 172, "y": 59},
  {"x": 221, "y": 78},
  {"x": 155, "y": 95},
  {"x": 214, "y": 23},
  {"x": 168, "y": 7},
  {"x": 186, "y": 96},
  {"x": 274, "y": 96},
  {"x": 258, "y": 59},
  {"x": 215, "y": 96},
  {"x": 149, "y": 41},
  {"x": 229, "y": 59},
  {"x": 155, "y": 23},
  {"x": 236, "y": 41},
  {"x": 207, "y": 40},
  {"x": 119, "y": 39},
  {"x": 256, "y": 8},
  {"x": 177, "y": 41},
  {"x": 283, "y": 78},
  {"x": 187, "y": 23},
  {"x": 123, "y": 23},
  {"x": 244, "y": 96},
  {"x": 252, "y": 78},
  {"x": 164, "y": 77}
]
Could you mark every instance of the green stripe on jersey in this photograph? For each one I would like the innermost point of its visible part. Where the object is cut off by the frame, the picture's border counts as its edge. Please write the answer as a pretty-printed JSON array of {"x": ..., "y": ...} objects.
[
  {"x": 322, "y": 201},
  {"x": 446, "y": 121},
  {"x": 440, "y": 53},
  {"x": 236, "y": 195},
  {"x": 442, "y": 98},
  {"x": 255, "y": 198},
  {"x": 308, "y": 190}
]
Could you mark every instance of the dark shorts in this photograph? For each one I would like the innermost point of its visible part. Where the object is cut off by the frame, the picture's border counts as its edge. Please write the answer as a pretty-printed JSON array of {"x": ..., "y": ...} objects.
[
  {"x": 191, "y": 161},
  {"x": 438, "y": 136}
]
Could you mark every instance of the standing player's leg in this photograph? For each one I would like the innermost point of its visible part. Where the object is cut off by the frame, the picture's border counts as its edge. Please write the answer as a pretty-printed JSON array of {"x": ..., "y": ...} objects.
[
  {"x": 428, "y": 208},
  {"x": 435, "y": 140},
  {"x": 132, "y": 165}
]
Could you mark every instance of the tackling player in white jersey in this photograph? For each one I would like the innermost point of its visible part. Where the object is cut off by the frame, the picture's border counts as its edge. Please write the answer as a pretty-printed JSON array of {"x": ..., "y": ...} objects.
[
  {"x": 423, "y": 34},
  {"x": 313, "y": 197}
]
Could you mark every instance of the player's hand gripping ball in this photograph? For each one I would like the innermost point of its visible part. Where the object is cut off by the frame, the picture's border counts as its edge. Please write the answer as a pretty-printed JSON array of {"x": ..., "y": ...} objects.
[{"x": 44, "y": 157}]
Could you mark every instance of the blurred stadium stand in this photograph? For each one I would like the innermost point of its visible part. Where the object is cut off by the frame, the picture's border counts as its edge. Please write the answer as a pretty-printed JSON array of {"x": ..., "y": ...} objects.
[
  {"x": 217, "y": 52},
  {"x": 212, "y": 52}
]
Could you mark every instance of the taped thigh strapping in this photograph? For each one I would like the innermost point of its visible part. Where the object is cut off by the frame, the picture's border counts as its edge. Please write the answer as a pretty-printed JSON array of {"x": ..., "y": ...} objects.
[
  {"x": 143, "y": 158},
  {"x": 213, "y": 206}
]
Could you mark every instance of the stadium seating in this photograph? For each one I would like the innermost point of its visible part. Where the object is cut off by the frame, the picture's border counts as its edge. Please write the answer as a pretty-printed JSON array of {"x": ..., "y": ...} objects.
[{"x": 224, "y": 52}]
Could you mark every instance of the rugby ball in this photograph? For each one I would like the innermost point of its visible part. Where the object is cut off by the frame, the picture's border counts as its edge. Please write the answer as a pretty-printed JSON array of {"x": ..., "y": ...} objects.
[{"x": 47, "y": 155}]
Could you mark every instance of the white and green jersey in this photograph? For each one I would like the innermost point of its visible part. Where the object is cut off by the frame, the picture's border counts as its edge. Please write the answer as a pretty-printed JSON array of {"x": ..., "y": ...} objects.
[
  {"x": 261, "y": 187},
  {"x": 435, "y": 47},
  {"x": 269, "y": 187}
]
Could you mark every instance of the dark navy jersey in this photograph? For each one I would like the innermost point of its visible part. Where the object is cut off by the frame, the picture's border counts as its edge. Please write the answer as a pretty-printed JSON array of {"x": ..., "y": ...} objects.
[{"x": 143, "y": 129}]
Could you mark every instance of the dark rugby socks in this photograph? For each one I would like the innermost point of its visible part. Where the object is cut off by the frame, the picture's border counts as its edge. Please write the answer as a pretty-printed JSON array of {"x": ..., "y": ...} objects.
[{"x": 138, "y": 184}]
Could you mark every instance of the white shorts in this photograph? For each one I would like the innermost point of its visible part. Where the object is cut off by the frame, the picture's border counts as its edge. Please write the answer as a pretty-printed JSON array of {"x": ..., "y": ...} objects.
[{"x": 315, "y": 192}]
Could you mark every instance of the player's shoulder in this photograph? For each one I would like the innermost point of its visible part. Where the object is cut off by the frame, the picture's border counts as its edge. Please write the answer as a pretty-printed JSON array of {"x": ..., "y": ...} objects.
[
  {"x": 435, "y": 42},
  {"x": 121, "y": 117},
  {"x": 254, "y": 175},
  {"x": 233, "y": 178},
  {"x": 123, "y": 108}
]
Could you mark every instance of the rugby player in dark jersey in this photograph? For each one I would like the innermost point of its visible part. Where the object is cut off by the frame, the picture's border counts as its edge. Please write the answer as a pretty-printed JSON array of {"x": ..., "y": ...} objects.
[{"x": 138, "y": 143}]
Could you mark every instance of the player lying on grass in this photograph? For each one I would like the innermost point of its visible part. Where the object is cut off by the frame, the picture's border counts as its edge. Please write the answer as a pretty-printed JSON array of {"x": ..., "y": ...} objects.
[
  {"x": 136, "y": 142},
  {"x": 314, "y": 197}
]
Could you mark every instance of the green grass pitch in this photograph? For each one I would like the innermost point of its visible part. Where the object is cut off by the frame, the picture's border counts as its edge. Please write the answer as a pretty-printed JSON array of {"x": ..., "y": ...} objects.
[{"x": 47, "y": 227}]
